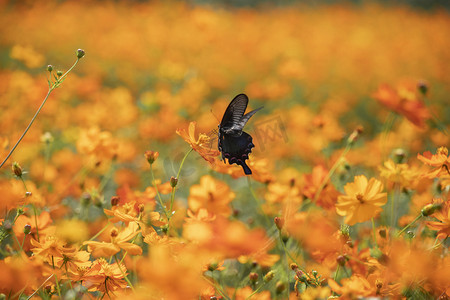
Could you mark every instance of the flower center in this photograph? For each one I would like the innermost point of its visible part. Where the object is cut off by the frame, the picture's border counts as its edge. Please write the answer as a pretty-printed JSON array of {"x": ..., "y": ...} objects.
[{"x": 360, "y": 198}]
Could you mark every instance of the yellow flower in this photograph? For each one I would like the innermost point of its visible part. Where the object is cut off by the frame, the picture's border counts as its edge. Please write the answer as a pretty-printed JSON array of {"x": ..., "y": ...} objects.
[
  {"x": 398, "y": 173},
  {"x": 362, "y": 200},
  {"x": 212, "y": 194},
  {"x": 202, "y": 145},
  {"x": 118, "y": 242},
  {"x": 104, "y": 277}
]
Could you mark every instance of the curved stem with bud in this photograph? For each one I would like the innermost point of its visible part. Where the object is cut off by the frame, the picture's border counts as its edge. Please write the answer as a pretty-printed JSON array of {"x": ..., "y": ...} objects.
[{"x": 52, "y": 85}]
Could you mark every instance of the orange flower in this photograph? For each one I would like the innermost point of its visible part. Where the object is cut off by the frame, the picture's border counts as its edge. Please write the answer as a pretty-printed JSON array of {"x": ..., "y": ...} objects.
[
  {"x": 439, "y": 161},
  {"x": 405, "y": 100},
  {"x": 173, "y": 277},
  {"x": 362, "y": 200},
  {"x": 228, "y": 239},
  {"x": 43, "y": 221},
  {"x": 98, "y": 144},
  {"x": 128, "y": 213},
  {"x": 279, "y": 195},
  {"x": 104, "y": 277},
  {"x": 328, "y": 195},
  {"x": 401, "y": 174},
  {"x": 51, "y": 248},
  {"x": 118, "y": 242},
  {"x": 202, "y": 145},
  {"x": 73, "y": 261},
  {"x": 355, "y": 286},
  {"x": 212, "y": 194},
  {"x": 443, "y": 223}
]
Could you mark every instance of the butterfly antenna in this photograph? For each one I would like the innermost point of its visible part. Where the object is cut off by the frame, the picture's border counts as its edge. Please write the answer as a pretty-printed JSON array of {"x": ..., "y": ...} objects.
[{"x": 214, "y": 115}]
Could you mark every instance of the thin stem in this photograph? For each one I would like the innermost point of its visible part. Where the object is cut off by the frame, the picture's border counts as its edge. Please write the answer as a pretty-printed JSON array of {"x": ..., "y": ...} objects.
[
  {"x": 287, "y": 262},
  {"x": 96, "y": 235},
  {"x": 256, "y": 291},
  {"x": 182, "y": 162},
  {"x": 46, "y": 280},
  {"x": 35, "y": 221},
  {"x": 374, "y": 234},
  {"x": 50, "y": 90},
  {"x": 409, "y": 225},
  {"x": 123, "y": 273},
  {"x": 157, "y": 193},
  {"x": 28, "y": 127},
  {"x": 172, "y": 196},
  {"x": 58, "y": 289},
  {"x": 331, "y": 172}
]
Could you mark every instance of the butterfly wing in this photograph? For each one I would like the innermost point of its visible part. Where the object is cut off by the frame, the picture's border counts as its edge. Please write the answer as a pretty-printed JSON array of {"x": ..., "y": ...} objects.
[
  {"x": 234, "y": 112},
  {"x": 236, "y": 149}
]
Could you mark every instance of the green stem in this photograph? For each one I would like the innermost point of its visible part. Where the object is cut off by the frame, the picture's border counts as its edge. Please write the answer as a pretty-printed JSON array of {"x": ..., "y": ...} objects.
[
  {"x": 96, "y": 235},
  {"x": 35, "y": 221},
  {"x": 331, "y": 172},
  {"x": 409, "y": 225},
  {"x": 157, "y": 193},
  {"x": 123, "y": 273},
  {"x": 172, "y": 196},
  {"x": 46, "y": 280},
  {"x": 337, "y": 272},
  {"x": 395, "y": 196},
  {"x": 58, "y": 289},
  {"x": 256, "y": 291},
  {"x": 286, "y": 270},
  {"x": 374, "y": 234},
  {"x": 50, "y": 90}
]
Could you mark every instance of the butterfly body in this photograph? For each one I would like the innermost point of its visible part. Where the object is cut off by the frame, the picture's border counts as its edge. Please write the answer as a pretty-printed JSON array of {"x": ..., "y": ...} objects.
[{"x": 234, "y": 143}]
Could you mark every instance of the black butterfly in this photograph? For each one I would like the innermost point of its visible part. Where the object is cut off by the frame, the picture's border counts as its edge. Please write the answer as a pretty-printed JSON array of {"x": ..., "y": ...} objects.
[{"x": 234, "y": 143}]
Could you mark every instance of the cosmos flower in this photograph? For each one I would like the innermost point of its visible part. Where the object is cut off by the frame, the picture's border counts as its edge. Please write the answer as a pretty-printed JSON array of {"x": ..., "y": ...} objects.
[
  {"x": 362, "y": 200},
  {"x": 201, "y": 144}
]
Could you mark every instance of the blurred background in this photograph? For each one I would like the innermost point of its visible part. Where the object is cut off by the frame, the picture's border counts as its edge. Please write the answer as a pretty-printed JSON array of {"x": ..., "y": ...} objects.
[{"x": 154, "y": 66}]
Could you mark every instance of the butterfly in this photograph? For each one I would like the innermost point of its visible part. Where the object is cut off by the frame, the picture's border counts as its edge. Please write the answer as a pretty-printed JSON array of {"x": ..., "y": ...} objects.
[{"x": 234, "y": 143}]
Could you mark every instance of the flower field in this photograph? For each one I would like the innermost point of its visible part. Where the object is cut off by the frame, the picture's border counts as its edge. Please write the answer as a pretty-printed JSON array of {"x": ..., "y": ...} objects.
[{"x": 112, "y": 184}]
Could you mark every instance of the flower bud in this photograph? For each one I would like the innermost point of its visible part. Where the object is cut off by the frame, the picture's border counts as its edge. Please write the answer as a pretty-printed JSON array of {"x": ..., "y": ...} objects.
[
  {"x": 49, "y": 68},
  {"x": 314, "y": 273},
  {"x": 17, "y": 169},
  {"x": 293, "y": 266},
  {"x": 213, "y": 266},
  {"x": 115, "y": 200},
  {"x": 423, "y": 87},
  {"x": 59, "y": 73},
  {"x": 151, "y": 156},
  {"x": 114, "y": 232},
  {"x": 279, "y": 222},
  {"x": 430, "y": 209},
  {"x": 173, "y": 181},
  {"x": 48, "y": 288},
  {"x": 85, "y": 198},
  {"x": 269, "y": 276},
  {"x": 27, "y": 229},
  {"x": 280, "y": 287},
  {"x": 47, "y": 137},
  {"x": 28, "y": 194},
  {"x": 341, "y": 260},
  {"x": 355, "y": 135},
  {"x": 253, "y": 277},
  {"x": 20, "y": 211},
  {"x": 80, "y": 53},
  {"x": 399, "y": 155}
]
